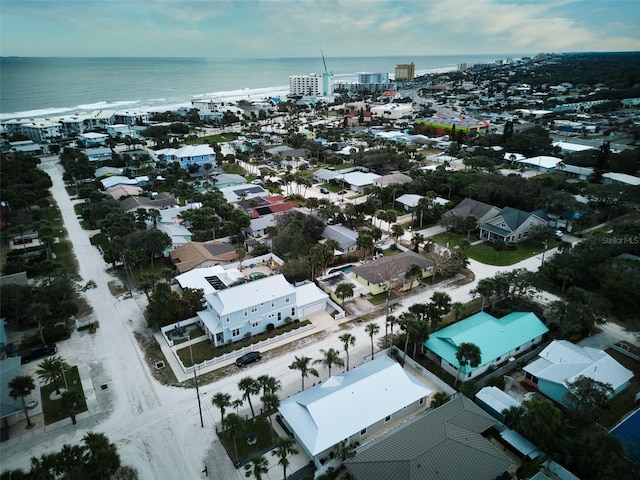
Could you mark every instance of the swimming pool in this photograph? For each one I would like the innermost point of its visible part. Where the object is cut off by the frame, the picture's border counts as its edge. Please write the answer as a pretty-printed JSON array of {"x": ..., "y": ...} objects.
[
  {"x": 346, "y": 269},
  {"x": 628, "y": 434}
]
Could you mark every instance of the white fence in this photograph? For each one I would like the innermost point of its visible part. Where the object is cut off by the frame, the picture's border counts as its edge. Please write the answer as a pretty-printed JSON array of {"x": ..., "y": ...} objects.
[{"x": 242, "y": 351}]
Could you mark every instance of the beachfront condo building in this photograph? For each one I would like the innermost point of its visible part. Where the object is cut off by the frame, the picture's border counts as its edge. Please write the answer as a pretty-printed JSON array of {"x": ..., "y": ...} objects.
[
  {"x": 405, "y": 72},
  {"x": 312, "y": 85}
]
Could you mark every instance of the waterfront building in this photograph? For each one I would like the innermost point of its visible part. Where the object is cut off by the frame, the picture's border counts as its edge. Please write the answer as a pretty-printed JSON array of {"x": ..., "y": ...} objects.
[
  {"x": 311, "y": 85},
  {"x": 405, "y": 72}
]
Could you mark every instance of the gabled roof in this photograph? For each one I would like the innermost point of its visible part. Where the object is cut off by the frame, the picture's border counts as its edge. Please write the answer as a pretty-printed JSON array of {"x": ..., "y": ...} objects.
[
  {"x": 563, "y": 362},
  {"x": 359, "y": 179},
  {"x": 237, "y": 298},
  {"x": 393, "y": 178},
  {"x": 444, "y": 444},
  {"x": 326, "y": 414},
  {"x": 513, "y": 219},
  {"x": 495, "y": 337},
  {"x": 163, "y": 199},
  {"x": 386, "y": 268},
  {"x": 325, "y": 174},
  {"x": 196, "y": 253},
  {"x": 343, "y": 235},
  {"x": 409, "y": 199},
  {"x": 468, "y": 206}
]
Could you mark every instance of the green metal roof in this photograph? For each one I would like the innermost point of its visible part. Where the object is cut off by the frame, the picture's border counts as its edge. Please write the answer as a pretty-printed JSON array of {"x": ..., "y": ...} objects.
[
  {"x": 494, "y": 336},
  {"x": 445, "y": 444}
]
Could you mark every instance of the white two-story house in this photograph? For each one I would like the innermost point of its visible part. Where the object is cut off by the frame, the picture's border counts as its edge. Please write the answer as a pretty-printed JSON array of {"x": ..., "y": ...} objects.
[{"x": 250, "y": 308}]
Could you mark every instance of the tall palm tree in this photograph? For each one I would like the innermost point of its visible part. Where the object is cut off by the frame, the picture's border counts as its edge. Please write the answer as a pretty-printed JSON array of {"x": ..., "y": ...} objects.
[
  {"x": 344, "y": 290},
  {"x": 237, "y": 403},
  {"x": 70, "y": 460},
  {"x": 20, "y": 387},
  {"x": 372, "y": 329},
  {"x": 303, "y": 364},
  {"x": 257, "y": 466},
  {"x": 269, "y": 384},
  {"x": 233, "y": 425},
  {"x": 249, "y": 386},
  {"x": 101, "y": 456},
  {"x": 347, "y": 340},
  {"x": 468, "y": 354},
  {"x": 50, "y": 370},
  {"x": 222, "y": 401},
  {"x": 284, "y": 447},
  {"x": 397, "y": 231},
  {"x": 414, "y": 272},
  {"x": 391, "y": 321},
  {"x": 71, "y": 400},
  {"x": 409, "y": 323},
  {"x": 270, "y": 403},
  {"x": 331, "y": 358}
]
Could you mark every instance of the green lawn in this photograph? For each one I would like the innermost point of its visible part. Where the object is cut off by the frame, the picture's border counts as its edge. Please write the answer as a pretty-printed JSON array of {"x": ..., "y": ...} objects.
[
  {"x": 52, "y": 409},
  {"x": 485, "y": 253},
  {"x": 261, "y": 428},
  {"x": 451, "y": 238}
]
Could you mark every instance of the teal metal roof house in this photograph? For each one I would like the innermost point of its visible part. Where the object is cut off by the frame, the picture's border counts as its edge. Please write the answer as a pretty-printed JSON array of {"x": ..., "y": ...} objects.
[{"x": 498, "y": 338}]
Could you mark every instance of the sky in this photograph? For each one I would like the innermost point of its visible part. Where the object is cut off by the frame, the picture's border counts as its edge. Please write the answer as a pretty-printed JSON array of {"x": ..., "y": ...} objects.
[{"x": 299, "y": 28}]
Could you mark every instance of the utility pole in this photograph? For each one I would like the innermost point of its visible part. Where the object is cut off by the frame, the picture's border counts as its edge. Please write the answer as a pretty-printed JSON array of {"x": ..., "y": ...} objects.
[{"x": 195, "y": 379}]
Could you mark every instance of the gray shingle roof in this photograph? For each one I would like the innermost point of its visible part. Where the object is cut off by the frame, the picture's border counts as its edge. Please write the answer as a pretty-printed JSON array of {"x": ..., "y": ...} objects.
[
  {"x": 386, "y": 268},
  {"x": 468, "y": 206},
  {"x": 444, "y": 444}
]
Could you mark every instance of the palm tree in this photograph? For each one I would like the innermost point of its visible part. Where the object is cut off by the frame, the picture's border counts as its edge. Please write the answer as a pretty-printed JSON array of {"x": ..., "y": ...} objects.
[
  {"x": 347, "y": 340},
  {"x": 237, "y": 403},
  {"x": 256, "y": 467},
  {"x": 372, "y": 329},
  {"x": 414, "y": 272},
  {"x": 51, "y": 370},
  {"x": 70, "y": 460},
  {"x": 397, "y": 231},
  {"x": 71, "y": 399},
  {"x": 331, "y": 358},
  {"x": 20, "y": 387},
  {"x": 459, "y": 310},
  {"x": 101, "y": 456},
  {"x": 409, "y": 323},
  {"x": 222, "y": 401},
  {"x": 302, "y": 364},
  {"x": 391, "y": 321},
  {"x": 249, "y": 386},
  {"x": 269, "y": 384},
  {"x": 284, "y": 446},
  {"x": 270, "y": 403},
  {"x": 417, "y": 239},
  {"x": 234, "y": 424},
  {"x": 344, "y": 290},
  {"x": 439, "y": 398},
  {"x": 39, "y": 311},
  {"x": 467, "y": 354},
  {"x": 344, "y": 450}
]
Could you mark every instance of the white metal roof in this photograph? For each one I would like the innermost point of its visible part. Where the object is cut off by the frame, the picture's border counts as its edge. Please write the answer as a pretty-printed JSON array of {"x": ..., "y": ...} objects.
[
  {"x": 255, "y": 292},
  {"x": 496, "y": 399},
  {"x": 358, "y": 179},
  {"x": 309, "y": 293},
  {"x": 197, "y": 278},
  {"x": 562, "y": 362},
  {"x": 345, "y": 404},
  {"x": 541, "y": 161},
  {"x": 409, "y": 199}
]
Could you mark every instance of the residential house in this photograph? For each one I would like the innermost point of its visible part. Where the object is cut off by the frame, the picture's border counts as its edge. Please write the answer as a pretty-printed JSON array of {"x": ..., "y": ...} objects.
[
  {"x": 389, "y": 272},
  {"x": 357, "y": 181},
  {"x": 512, "y": 225},
  {"x": 541, "y": 163},
  {"x": 26, "y": 146},
  {"x": 324, "y": 175},
  {"x": 115, "y": 180},
  {"x": 482, "y": 211},
  {"x": 580, "y": 173},
  {"x": 620, "y": 179},
  {"x": 202, "y": 254},
  {"x": 562, "y": 362},
  {"x": 179, "y": 235},
  {"x": 331, "y": 412},
  {"x": 450, "y": 442},
  {"x": 392, "y": 178},
  {"x": 499, "y": 340},
  {"x": 189, "y": 156},
  {"x": 225, "y": 180},
  {"x": 120, "y": 191},
  {"x": 346, "y": 238},
  {"x": 92, "y": 139},
  {"x": 409, "y": 201},
  {"x": 209, "y": 279},
  {"x": 258, "y": 226},
  {"x": 254, "y": 307},
  {"x": 120, "y": 130},
  {"x": 98, "y": 154},
  {"x": 157, "y": 201},
  {"x": 102, "y": 172},
  {"x": 495, "y": 401},
  {"x": 242, "y": 192}
]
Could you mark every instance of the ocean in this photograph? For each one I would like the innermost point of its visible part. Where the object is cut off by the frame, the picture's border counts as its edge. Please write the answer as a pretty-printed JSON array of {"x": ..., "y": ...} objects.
[{"x": 51, "y": 87}]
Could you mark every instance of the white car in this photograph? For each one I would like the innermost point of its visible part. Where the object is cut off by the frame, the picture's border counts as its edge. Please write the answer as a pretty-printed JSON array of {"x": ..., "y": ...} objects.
[
  {"x": 559, "y": 234},
  {"x": 257, "y": 181}
]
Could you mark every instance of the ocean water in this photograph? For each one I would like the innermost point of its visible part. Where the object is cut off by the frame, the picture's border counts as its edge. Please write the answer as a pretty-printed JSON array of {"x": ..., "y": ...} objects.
[{"x": 32, "y": 87}]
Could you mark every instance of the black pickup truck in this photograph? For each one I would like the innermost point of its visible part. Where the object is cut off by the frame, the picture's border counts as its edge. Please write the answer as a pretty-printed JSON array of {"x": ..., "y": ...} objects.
[{"x": 38, "y": 351}]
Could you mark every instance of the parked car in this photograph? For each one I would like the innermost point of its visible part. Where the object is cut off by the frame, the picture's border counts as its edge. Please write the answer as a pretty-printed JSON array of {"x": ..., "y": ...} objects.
[
  {"x": 342, "y": 192},
  {"x": 559, "y": 234},
  {"x": 257, "y": 181},
  {"x": 248, "y": 358},
  {"x": 324, "y": 190},
  {"x": 38, "y": 351}
]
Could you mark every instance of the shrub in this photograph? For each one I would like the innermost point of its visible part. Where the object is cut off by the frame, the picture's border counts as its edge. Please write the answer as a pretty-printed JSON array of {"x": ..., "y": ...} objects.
[{"x": 270, "y": 327}]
